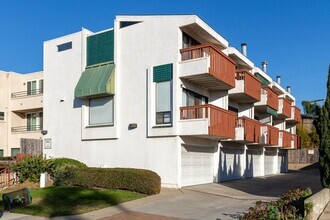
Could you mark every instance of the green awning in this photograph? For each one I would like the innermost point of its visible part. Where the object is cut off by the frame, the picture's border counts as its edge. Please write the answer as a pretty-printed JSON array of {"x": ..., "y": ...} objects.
[
  {"x": 264, "y": 82},
  {"x": 272, "y": 111},
  {"x": 96, "y": 80}
]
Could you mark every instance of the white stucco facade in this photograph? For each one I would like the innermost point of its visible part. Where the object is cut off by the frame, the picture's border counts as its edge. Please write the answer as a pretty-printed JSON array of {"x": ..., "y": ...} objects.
[{"x": 171, "y": 149}]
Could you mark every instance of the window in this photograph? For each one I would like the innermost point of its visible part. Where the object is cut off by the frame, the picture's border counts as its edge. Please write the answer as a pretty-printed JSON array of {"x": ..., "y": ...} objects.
[
  {"x": 34, "y": 121},
  {"x": 163, "y": 103},
  {"x": 63, "y": 47},
  {"x": 2, "y": 116},
  {"x": 1, "y": 153},
  {"x": 35, "y": 87},
  {"x": 190, "y": 98},
  {"x": 101, "y": 111},
  {"x": 15, "y": 151},
  {"x": 188, "y": 41},
  {"x": 128, "y": 23}
]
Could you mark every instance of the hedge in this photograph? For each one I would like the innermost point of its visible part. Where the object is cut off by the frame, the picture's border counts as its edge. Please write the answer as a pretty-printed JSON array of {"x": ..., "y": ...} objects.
[
  {"x": 137, "y": 180},
  {"x": 56, "y": 163}
]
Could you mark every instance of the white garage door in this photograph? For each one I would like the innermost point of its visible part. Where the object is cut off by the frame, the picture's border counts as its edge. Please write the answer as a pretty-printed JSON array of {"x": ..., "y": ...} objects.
[
  {"x": 253, "y": 163},
  {"x": 282, "y": 162},
  {"x": 230, "y": 164},
  {"x": 196, "y": 165},
  {"x": 270, "y": 162}
]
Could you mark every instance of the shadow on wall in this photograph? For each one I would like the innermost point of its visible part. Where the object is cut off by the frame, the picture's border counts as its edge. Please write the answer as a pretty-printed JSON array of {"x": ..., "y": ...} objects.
[{"x": 230, "y": 164}]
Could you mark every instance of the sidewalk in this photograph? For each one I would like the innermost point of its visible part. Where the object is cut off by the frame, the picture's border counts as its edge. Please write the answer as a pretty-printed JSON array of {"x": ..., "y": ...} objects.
[{"x": 326, "y": 213}]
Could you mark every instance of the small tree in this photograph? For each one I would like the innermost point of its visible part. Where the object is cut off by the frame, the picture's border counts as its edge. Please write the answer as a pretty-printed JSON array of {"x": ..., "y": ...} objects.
[{"x": 324, "y": 134}]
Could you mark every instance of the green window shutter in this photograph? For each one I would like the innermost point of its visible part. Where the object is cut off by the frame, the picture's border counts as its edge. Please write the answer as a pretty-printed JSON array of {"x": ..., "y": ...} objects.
[
  {"x": 100, "y": 48},
  {"x": 264, "y": 82},
  {"x": 163, "y": 73}
]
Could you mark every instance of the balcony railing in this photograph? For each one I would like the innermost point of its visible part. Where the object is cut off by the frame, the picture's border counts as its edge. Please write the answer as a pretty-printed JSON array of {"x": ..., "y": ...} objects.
[
  {"x": 284, "y": 107},
  {"x": 221, "y": 66},
  {"x": 272, "y": 97},
  {"x": 296, "y": 141},
  {"x": 251, "y": 129},
  {"x": 26, "y": 128},
  {"x": 286, "y": 138},
  {"x": 269, "y": 135},
  {"x": 27, "y": 93},
  {"x": 252, "y": 86},
  {"x": 221, "y": 121},
  {"x": 295, "y": 114}
]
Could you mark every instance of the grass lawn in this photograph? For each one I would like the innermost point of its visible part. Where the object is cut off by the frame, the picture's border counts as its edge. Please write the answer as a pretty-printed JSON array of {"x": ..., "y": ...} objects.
[{"x": 59, "y": 201}]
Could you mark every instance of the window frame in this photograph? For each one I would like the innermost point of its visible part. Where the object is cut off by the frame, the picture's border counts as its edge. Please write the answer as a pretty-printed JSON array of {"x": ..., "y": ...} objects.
[
  {"x": 2, "y": 118},
  {"x": 163, "y": 113},
  {"x": 64, "y": 46},
  {"x": 39, "y": 87},
  {"x": 112, "y": 98},
  {"x": 38, "y": 119}
]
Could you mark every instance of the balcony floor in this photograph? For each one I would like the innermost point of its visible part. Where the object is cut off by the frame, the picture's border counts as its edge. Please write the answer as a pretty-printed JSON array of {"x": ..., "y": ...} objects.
[{"x": 207, "y": 81}]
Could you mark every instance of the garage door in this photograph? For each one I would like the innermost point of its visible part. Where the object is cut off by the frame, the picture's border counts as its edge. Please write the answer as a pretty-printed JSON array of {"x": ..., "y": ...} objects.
[
  {"x": 282, "y": 162},
  {"x": 230, "y": 164},
  {"x": 196, "y": 165},
  {"x": 270, "y": 162},
  {"x": 253, "y": 163}
]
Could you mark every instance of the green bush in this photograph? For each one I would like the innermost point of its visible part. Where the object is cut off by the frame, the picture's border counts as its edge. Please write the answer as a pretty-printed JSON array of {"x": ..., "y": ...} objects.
[
  {"x": 289, "y": 206},
  {"x": 30, "y": 168},
  {"x": 7, "y": 158},
  {"x": 137, "y": 180},
  {"x": 57, "y": 163}
]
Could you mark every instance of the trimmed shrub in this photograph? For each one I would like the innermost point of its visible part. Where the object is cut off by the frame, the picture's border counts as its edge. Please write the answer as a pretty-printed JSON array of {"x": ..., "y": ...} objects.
[
  {"x": 30, "y": 168},
  {"x": 57, "y": 163},
  {"x": 289, "y": 206},
  {"x": 137, "y": 180}
]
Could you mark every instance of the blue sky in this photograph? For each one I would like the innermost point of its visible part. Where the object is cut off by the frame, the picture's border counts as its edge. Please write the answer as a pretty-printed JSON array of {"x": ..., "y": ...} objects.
[{"x": 293, "y": 36}]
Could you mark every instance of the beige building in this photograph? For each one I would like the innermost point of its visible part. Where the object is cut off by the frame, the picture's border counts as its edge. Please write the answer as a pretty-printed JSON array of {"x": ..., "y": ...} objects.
[{"x": 21, "y": 110}]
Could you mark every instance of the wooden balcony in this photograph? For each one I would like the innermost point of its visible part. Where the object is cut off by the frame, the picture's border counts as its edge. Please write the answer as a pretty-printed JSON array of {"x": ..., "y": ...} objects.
[
  {"x": 269, "y": 98},
  {"x": 269, "y": 135},
  {"x": 284, "y": 108},
  {"x": 206, "y": 66},
  {"x": 295, "y": 141},
  {"x": 247, "y": 130},
  {"x": 207, "y": 121},
  {"x": 285, "y": 139},
  {"x": 248, "y": 88},
  {"x": 295, "y": 115}
]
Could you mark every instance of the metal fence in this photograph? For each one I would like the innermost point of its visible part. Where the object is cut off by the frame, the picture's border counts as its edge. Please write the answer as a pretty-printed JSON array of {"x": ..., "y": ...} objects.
[{"x": 303, "y": 156}]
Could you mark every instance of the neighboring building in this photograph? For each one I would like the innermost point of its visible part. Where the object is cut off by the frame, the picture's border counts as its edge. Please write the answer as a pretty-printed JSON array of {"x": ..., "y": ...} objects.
[
  {"x": 307, "y": 121},
  {"x": 21, "y": 110},
  {"x": 165, "y": 93}
]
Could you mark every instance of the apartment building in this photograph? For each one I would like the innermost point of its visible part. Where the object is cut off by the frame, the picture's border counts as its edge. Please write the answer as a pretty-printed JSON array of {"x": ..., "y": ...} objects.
[
  {"x": 21, "y": 110},
  {"x": 165, "y": 93}
]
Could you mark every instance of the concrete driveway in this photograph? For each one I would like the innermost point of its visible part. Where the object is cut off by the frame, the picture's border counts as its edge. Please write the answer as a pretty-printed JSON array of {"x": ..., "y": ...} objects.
[
  {"x": 230, "y": 199},
  {"x": 211, "y": 201}
]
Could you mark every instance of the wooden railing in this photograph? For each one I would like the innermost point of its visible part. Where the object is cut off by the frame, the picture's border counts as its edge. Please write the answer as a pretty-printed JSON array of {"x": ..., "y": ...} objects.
[
  {"x": 7, "y": 178},
  {"x": 269, "y": 134},
  {"x": 221, "y": 66},
  {"x": 296, "y": 141},
  {"x": 295, "y": 113},
  {"x": 251, "y": 129},
  {"x": 252, "y": 85},
  {"x": 286, "y": 138},
  {"x": 272, "y": 97},
  {"x": 221, "y": 121},
  {"x": 285, "y": 107}
]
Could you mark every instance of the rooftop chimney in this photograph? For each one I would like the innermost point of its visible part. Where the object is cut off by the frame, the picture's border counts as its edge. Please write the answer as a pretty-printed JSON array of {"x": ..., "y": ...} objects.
[
  {"x": 288, "y": 89},
  {"x": 278, "y": 80},
  {"x": 244, "y": 49},
  {"x": 264, "y": 66}
]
